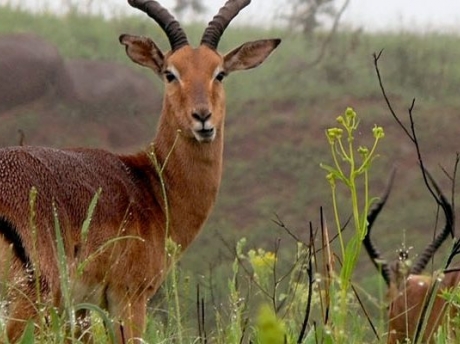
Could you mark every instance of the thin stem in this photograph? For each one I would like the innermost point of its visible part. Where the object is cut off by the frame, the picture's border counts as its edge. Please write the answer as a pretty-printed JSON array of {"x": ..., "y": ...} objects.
[
  {"x": 336, "y": 162},
  {"x": 337, "y": 220},
  {"x": 343, "y": 152}
]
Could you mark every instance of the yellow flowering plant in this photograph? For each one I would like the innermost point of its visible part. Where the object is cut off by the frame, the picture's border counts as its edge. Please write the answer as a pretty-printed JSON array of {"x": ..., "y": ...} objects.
[{"x": 350, "y": 167}]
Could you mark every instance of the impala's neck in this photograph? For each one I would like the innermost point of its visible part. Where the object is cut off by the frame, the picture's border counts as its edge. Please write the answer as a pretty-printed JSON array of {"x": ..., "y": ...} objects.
[{"x": 192, "y": 174}]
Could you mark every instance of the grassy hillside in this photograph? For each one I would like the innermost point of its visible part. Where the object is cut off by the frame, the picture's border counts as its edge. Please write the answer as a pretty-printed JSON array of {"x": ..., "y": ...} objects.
[{"x": 275, "y": 134}]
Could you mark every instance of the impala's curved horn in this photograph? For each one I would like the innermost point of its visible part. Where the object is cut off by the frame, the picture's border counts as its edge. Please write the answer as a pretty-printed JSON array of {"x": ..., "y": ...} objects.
[
  {"x": 431, "y": 249},
  {"x": 219, "y": 23},
  {"x": 371, "y": 250},
  {"x": 167, "y": 22}
]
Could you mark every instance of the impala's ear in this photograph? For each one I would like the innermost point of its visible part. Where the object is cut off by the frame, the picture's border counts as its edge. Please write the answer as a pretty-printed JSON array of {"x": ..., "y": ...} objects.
[
  {"x": 143, "y": 51},
  {"x": 249, "y": 55}
]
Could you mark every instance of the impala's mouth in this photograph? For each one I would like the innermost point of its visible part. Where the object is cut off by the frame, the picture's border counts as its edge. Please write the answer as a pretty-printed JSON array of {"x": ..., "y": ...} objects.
[{"x": 205, "y": 135}]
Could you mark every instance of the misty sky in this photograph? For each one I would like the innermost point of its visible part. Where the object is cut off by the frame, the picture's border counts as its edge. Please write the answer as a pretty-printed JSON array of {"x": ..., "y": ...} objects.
[
  {"x": 419, "y": 15},
  {"x": 416, "y": 15}
]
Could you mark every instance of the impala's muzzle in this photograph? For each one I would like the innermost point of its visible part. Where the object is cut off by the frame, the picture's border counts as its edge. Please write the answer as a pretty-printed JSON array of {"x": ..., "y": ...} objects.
[{"x": 203, "y": 128}]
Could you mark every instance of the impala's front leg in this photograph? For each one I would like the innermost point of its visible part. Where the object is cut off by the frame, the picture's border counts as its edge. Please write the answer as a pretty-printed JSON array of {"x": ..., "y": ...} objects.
[
  {"x": 129, "y": 313},
  {"x": 19, "y": 293},
  {"x": 22, "y": 309}
]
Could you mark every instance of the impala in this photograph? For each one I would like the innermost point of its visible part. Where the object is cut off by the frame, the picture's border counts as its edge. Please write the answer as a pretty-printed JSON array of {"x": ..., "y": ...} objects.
[
  {"x": 408, "y": 290},
  {"x": 165, "y": 192}
]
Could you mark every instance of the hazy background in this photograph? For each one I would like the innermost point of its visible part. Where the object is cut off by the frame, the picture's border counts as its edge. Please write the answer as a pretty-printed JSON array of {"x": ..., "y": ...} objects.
[
  {"x": 370, "y": 15},
  {"x": 277, "y": 116},
  {"x": 417, "y": 15}
]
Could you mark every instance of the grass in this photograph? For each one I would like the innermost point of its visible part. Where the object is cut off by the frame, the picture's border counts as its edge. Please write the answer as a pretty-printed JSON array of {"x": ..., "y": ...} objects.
[
  {"x": 307, "y": 298},
  {"x": 277, "y": 116}
]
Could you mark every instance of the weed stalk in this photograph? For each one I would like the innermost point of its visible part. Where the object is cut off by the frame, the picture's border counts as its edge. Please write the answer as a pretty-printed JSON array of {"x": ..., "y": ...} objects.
[{"x": 349, "y": 164}]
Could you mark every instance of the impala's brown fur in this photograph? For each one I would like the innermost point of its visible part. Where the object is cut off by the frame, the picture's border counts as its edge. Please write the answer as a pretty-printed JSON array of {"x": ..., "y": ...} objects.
[
  {"x": 406, "y": 307},
  {"x": 415, "y": 299},
  {"x": 121, "y": 275}
]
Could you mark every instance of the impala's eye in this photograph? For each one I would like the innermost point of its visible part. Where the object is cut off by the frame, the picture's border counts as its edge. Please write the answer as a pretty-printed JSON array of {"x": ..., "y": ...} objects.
[
  {"x": 170, "y": 77},
  {"x": 220, "y": 76}
]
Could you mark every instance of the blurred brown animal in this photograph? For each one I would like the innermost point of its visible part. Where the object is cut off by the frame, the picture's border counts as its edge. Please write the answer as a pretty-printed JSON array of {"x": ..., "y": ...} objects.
[
  {"x": 103, "y": 90},
  {"x": 109, "y": 88},
  {"x": 408, "y": 289},
  {"x": 30, "y": 68},
  {"x": 164, "y": 193}
]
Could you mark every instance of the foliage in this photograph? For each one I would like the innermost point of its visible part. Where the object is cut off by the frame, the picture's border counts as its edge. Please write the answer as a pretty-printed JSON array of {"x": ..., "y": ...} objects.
[
  {"x": 195, "y": 6},
  {"x": 344, "y": 154},
  {"x": 306, "y": 14},
  {"x": 347, "y": 170},
  {"x": 270, "y": 330}
]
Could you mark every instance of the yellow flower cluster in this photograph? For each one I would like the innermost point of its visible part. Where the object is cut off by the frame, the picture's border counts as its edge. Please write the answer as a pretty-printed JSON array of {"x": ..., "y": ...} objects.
[
  {"x": 261, "y": 259},
  {"x": 263, "y": 264}
]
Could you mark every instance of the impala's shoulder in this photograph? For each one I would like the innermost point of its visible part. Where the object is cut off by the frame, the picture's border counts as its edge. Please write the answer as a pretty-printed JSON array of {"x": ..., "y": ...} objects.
[
  {"x": 139, "y": 164},
  {"x": 140, "y": 159}
]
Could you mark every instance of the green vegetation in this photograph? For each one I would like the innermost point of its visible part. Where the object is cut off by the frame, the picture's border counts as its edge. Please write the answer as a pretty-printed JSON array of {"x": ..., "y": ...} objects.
[
  {"x": 347, "y": 169},
  {"x": 273, "y": 184}
]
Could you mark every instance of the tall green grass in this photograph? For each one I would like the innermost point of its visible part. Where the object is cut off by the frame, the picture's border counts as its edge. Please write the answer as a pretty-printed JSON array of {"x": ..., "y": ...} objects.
[
  {"x": 351, "y": 162},
  {"x": 309, "y": 298},
  {"x": 53, "y": 325}
]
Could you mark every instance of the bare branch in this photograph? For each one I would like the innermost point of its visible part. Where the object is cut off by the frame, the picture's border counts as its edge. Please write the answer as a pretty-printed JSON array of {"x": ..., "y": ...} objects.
[
  {"x": 428, "y": 180},
  {"x": 310, "y": 288},
  {"x": 329, "y": 37},
  {"x": 384, "y": 93}
]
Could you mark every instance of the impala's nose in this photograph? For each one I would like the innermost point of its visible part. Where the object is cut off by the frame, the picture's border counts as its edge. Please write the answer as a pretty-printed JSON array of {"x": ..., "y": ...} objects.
[
  {"x": 201, "y": 115},
  {"x": 203, "y": 130}
]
